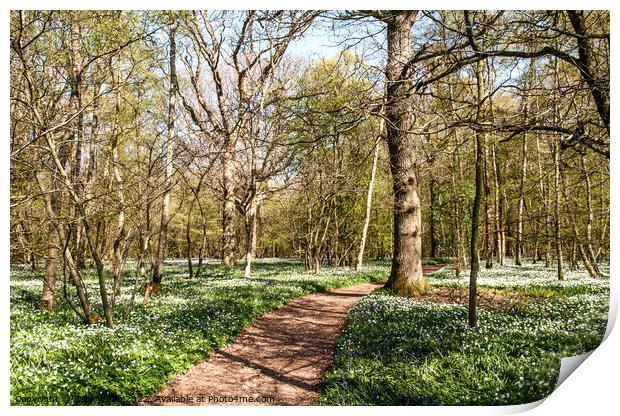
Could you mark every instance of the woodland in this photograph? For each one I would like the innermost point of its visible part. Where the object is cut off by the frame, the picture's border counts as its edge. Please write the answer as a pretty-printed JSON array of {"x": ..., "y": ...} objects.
[{"x": 176, "y": 175}]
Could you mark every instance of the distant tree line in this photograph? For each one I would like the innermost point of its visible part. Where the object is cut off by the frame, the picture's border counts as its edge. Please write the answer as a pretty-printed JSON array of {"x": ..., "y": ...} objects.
[{"x": 465, "y": 135}]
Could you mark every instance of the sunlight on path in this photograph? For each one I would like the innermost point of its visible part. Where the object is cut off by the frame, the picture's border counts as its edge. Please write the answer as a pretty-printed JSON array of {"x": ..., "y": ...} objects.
[{"x": 279, "y": 360}]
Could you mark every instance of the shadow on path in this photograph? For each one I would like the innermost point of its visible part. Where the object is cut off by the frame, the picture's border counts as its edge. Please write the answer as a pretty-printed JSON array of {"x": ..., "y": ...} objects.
[{"x": 280, "y": 358}]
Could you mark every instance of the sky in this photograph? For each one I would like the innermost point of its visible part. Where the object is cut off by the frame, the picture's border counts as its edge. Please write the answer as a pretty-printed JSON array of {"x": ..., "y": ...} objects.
[{"x": 326, "y": 39}]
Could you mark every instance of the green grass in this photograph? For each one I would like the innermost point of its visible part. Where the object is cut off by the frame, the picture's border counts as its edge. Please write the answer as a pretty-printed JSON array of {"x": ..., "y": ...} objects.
[
  {"x": 431, "y": 261},
  {"x": 56, "y": 360},
  {"x": 392, "y": 350},
  {"x": 398, "y": 351}
]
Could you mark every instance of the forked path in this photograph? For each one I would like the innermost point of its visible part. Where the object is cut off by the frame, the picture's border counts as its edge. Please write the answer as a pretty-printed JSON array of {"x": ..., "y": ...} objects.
[{"x": 278, "y": 360}]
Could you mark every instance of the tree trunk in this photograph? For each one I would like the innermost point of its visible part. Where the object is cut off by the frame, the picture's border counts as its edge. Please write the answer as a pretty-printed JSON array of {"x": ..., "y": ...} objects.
[
  {"x": 76, "y": 132},
  {"x": 48, "y": 297},
  {"x": 499, "y": 209},
  {"x": 203, "y": 242},
  {"x": 548, "y": 222},
  {"x": 406, "y": 276},
  {"x": 504, "y": 221},
  {"x": 473, "y": 252},
  {"x": 433, "y": 216},
  {"x": 250, "y": 229},
  {"x": 121, "y": 233},
  {"x": 54, "y": 206},
  {"x": 460, "y": 252},
  {"x": 586, "y": 66},
  {"x": 162, "y": 246},
  {"x": 371, "y": 184},
  {"x": 544, "y": 196},
  {"x": 488, "y": 233},
  {"x": 521, "y": 205},
  {"x": 577, "y": 244},
  {"x": 86, "y": 313},
  {"x": 589, "y": 249},
  {"x": 573, "y": 256},
  {"x": 228, "y": 213},
  {"x": 140, "y": 269},
  {"x": 558, "y": 241},
  {"x": 34, "y": 262},
  {"x": 188, "y": 238},
  {"x": 475, "y": 213},
  {"x": 458, "y": 264}
]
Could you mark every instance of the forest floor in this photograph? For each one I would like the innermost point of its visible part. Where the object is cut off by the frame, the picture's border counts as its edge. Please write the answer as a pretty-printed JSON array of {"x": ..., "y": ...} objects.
[
  {"x": 57, "y": 360},
  {"x": 400, "y": 351},
  {"x": 385, "y": 350},
  {"x": 279, "y": 360}
]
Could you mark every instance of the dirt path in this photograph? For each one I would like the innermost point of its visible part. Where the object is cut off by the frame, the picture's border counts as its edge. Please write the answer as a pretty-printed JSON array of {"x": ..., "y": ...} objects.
[{"x": 278, "y": 360}]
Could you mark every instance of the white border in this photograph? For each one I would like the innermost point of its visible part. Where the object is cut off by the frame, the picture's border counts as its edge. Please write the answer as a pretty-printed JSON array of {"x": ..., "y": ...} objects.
[{"x": 592, "y": 389}]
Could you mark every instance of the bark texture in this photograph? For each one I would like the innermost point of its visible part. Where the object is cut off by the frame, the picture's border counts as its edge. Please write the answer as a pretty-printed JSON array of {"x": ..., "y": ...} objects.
[
  {"x": 162, "y": 246},
  {"x": 406, "y": 274}
]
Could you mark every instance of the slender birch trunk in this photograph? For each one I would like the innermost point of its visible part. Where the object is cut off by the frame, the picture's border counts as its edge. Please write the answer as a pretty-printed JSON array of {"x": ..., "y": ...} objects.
[
  {"x": 371, "y": 184},
  {"x": 521, "y": 205},
  {"x": 250, "y": 227}
]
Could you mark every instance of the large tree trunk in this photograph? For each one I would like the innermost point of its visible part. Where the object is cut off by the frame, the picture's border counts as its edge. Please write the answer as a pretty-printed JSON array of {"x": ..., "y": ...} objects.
[
  {"x": 406, "y": 276},
  {"x": 251, "y": 212},
  {"x": 162, "y": 246},
  {"x": 371, "y": 184}
]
